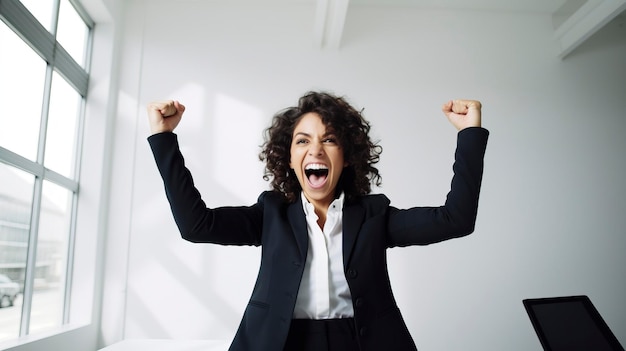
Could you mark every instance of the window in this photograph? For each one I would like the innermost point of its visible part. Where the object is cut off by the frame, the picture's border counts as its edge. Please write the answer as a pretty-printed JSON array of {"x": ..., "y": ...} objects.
[{"x": 43, "y": 85}]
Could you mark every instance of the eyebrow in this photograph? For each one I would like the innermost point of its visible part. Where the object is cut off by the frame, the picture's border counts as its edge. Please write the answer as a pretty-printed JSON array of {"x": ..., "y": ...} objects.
[
  {"x": 327, "y": 134},
  {"x": 303, "y": 134}
]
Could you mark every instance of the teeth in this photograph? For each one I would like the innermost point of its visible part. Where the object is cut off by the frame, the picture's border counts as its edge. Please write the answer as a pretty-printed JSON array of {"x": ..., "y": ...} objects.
[{"x": 315, "y": 166}]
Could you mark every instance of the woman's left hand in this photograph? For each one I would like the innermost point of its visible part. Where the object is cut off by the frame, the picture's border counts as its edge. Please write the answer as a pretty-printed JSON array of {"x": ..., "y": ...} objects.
[{"x": 463, "y": 113}]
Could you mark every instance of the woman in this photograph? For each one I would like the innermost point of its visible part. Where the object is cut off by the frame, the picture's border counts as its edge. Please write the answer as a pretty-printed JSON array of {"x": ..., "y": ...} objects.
[{"x": 323, "y": 282}]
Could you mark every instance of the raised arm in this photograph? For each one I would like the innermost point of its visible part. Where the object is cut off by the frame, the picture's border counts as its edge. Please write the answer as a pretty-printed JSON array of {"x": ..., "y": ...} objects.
[
  {"x": 457, "y": 217},
  {"x": 240, "y": 225}
]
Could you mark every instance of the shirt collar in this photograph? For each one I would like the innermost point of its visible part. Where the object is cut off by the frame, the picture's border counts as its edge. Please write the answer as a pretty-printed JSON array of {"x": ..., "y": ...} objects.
[{"x": 336, "y": 205}]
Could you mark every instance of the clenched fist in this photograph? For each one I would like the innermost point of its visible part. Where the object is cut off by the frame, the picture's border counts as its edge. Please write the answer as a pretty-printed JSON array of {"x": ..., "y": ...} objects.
[
  {"x": 463, "y": 113},
  {"x": 164, "y": 116}
]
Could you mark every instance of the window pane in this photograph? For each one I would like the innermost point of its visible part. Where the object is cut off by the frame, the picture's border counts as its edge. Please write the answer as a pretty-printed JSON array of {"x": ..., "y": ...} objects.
[
  {"x": 42, "y": 10},
  {"x": 23, "y": 75},
  {"x": 51, "y": 258},
  {"x": 72, "y": 32},
  {"x": 62, "y": 124},
  {"x": 16, "y": 193}
]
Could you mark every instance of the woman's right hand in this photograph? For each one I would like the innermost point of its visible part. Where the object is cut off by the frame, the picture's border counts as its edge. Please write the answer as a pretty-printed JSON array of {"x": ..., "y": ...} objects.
[{"x": 164, "y": 116}]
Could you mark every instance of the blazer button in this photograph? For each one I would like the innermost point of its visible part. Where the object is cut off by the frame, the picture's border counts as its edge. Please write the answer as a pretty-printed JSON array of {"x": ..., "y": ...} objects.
[
  {"x": 359, "y": 302},
  {"x": 362, "y": 331},
  {"x": 351, "y": 273}
]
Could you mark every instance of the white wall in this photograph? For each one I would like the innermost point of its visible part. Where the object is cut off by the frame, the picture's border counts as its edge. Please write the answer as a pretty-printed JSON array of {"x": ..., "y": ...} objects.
[{"x": 551, "y": 217}]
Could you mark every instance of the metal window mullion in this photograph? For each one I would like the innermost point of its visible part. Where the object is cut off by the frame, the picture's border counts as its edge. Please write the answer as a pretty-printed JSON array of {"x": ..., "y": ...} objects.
[
  {"x": 69, "y": 267},
  {"x": 11, "y": 158},
  {"x": 64, "y": 63},
  {"x": 26, "y": 26},
  {"x": 45, "y": 109},
  {"x": 69, "y": 274},
  {"x": 61, "y": 180},
  {"x": 77, "y": 157},
  {"x": 82, "y": 13},
  {"x": 90, "y": 25},
  {"x": 75, "y": 75},
  {"x": 31, "y": 258},
  {"x": 56, "y": 8}
]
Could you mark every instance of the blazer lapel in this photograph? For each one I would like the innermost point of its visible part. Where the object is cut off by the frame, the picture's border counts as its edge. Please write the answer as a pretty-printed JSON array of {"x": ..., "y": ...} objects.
[
  {"x": 352, "y": 219},
  {"x": 295, "y": 215},
  {"x": 353, "y": 215}
]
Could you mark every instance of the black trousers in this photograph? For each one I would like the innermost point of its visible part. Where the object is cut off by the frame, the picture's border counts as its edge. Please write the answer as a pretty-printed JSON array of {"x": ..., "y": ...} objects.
[{"x": 322, "y": 335}]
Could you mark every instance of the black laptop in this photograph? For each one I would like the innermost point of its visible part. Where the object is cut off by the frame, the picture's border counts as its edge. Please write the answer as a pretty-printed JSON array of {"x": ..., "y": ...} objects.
[{"x": 570, "y": 323}]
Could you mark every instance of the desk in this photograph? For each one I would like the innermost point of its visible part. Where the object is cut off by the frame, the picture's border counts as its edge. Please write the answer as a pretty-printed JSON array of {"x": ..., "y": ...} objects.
[{"x": 168, "y": 345}]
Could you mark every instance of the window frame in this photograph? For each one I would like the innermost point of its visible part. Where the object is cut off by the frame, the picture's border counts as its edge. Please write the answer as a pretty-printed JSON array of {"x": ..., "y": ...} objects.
[{"x": 18, "y": 18}]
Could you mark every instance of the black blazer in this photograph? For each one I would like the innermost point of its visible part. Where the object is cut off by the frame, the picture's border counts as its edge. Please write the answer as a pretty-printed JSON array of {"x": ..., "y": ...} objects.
[{"x": 370, "y": 226}]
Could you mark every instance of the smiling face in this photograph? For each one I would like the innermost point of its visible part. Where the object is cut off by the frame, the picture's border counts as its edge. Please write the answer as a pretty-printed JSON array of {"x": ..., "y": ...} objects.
[{"x": 317, "y": 159}]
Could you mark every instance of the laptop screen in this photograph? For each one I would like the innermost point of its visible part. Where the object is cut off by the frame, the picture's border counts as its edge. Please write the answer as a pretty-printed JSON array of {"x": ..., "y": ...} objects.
[{"x": 570, "y": 323}]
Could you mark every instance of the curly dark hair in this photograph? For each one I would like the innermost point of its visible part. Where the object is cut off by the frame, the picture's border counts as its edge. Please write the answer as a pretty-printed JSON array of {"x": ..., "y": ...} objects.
[{"x": 352, "y": 131}]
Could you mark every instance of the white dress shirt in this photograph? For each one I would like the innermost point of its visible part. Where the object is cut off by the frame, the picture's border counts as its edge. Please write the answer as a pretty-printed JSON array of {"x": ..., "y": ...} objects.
[{"x": 324, "y": 291}]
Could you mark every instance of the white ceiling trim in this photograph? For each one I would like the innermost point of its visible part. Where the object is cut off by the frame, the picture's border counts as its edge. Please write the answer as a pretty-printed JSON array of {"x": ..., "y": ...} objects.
[
  {"x": 330, "y": 18},
  {"x": 587, "y": 20}
]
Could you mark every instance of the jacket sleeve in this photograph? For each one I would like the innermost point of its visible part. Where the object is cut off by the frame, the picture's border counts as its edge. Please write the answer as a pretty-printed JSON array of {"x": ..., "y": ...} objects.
[
  {"x": 457, "y": 217},
  {"x": 197, "y": 223}
]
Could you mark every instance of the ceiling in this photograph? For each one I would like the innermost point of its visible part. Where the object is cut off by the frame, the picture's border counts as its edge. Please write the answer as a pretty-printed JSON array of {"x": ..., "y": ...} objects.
[
  {"x": 574, "y": 20},
  {"x": 537, "y": 6},
  {"x": 542, "y": 6}
]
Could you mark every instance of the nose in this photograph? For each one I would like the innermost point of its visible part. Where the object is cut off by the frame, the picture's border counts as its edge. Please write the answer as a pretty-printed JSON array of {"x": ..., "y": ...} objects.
[{"x": 316, "y": 149}]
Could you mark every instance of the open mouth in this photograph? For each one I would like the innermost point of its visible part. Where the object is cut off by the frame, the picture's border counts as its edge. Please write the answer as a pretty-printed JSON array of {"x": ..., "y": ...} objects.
[{"x": 316, "y": 173}]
